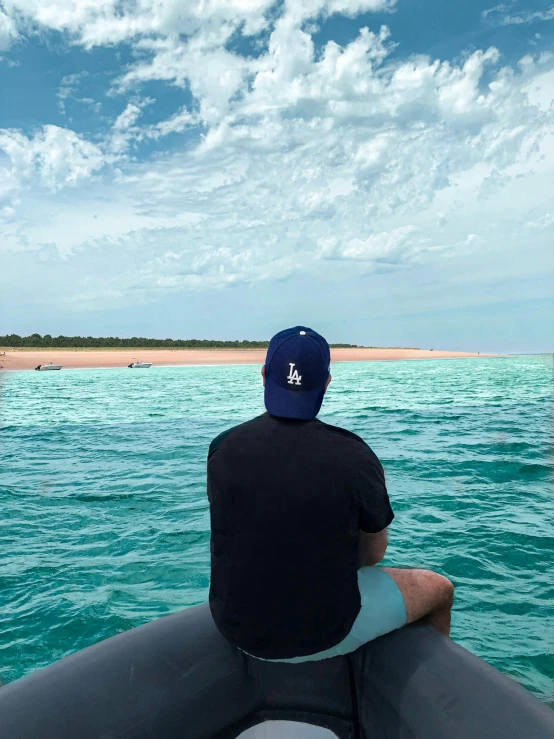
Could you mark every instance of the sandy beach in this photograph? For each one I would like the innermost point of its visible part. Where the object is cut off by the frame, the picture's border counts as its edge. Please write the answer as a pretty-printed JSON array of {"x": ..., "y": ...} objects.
[{"x": 28, "y": 359}]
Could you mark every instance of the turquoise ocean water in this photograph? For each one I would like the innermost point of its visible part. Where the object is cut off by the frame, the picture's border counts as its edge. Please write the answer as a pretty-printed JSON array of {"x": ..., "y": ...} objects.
[{"x": 104, "y": 519}]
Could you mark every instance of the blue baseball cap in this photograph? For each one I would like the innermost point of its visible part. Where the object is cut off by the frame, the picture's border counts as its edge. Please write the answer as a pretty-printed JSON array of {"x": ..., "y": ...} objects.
[{"x": 297, "y": 367}]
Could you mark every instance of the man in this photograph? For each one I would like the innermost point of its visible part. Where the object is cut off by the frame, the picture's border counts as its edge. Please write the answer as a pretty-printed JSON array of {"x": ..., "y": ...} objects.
[{"x": 299, "y": 515}]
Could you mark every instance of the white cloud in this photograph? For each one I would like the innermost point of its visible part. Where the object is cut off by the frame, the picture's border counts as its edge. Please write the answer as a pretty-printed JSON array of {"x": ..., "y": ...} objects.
[
  {"x": 539, "y": 89},
  {"x": 390, "y": 247},
  {"x": 9, "y": 188},
  {"x": 501, "y": 15},
  {"x": 101, "y": 22},
  {"x": 8, "y": 31},
  {"x": 297, "y": 12},
  {"x": 57, "y": 156},
  {"x": 124, "y": 129},
  {"x": 176, "y": 123},
  {"x": 129, "y": 117},
  {"x": 502, "y": 8},
  {"x": 127, "y": 131},
  {"x": 67, "y": 91},
  {"x": 214, "y": 74},
  {"x": 543, "y": 223},
  {"x": 329, "y": 163}
]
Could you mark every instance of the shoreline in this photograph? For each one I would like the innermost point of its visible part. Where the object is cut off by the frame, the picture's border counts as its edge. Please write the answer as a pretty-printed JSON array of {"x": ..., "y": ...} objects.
[{"x": 28, "y": 359}]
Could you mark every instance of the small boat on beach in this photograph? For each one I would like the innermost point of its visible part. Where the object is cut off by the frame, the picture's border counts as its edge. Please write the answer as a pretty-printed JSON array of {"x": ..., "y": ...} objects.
[
  {"x": 49, "y": 366},
  {"x": 139, "y": 365}
]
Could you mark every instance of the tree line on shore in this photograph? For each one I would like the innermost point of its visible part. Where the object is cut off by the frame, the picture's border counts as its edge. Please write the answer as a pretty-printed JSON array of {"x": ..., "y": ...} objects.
[{"x": 110, "y": 342}]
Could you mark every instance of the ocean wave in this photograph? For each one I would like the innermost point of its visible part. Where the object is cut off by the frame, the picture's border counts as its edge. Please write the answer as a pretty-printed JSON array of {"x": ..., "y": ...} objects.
[{"x": 105, "y": 519}]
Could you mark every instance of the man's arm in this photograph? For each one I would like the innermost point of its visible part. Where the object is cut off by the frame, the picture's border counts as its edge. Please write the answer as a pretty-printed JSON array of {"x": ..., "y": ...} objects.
[{"x": 372, "y": 547}]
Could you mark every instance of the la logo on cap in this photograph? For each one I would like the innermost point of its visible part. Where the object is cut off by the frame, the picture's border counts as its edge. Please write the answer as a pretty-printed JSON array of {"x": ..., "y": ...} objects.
[{"x": 293, "y": 376}]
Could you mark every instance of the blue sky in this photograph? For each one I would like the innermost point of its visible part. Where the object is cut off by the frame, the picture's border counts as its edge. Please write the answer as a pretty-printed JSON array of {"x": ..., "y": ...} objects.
[{"x": 379, "y": 170}]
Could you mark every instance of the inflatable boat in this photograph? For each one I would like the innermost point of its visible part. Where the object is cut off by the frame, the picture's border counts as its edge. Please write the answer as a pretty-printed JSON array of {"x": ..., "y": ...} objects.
[{"x": 178, "y": 678}]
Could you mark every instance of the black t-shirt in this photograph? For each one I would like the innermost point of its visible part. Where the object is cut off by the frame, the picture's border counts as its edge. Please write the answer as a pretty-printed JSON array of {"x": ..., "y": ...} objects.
[{"x": 287, "y": 501}]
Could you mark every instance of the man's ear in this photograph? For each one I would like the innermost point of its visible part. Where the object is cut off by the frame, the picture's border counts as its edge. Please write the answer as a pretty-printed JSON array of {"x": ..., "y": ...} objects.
[
  {"x": 263, "y": 374},
  {"x": 329, "y": 378}
]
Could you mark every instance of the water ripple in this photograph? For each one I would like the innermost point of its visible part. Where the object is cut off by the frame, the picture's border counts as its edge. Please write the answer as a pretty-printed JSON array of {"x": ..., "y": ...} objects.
[{"x": 105, "y": 521}]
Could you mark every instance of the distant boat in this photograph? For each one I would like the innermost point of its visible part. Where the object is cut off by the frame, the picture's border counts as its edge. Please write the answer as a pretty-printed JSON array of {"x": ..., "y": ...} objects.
[
  {"x": 140, "y": 365},
  {"x": 49, "y": 366}
]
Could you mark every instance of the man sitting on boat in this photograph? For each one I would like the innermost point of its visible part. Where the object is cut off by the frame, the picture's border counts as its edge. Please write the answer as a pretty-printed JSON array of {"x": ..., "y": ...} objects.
[{"x": 299, "y": 516}]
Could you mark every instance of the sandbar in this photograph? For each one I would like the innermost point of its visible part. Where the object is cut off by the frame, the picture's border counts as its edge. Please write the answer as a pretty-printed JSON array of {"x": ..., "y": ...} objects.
[{"x": 28, "y": 359}]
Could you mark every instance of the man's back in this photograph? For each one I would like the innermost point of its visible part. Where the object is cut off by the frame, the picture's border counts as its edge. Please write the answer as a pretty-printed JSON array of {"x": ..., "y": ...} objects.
[{"x": 287, "y": 501}]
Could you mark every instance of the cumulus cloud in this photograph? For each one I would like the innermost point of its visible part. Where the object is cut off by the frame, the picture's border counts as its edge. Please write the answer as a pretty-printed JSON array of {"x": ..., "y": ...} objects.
[
  {"x": 101, "y": 22},
  {"x": 129, "y": 117},
  {"x": 313, "y": 9},
  {"x": 389, "y": 247},
  {"x": 8, "y": 194},
  {"x": 213, "y": 74},
  {"x": 124, "y": 129},
  {"x": 57, "y": 156},
  {"x": 8, "y": 31},
  {"x": 293, "y": 159}
]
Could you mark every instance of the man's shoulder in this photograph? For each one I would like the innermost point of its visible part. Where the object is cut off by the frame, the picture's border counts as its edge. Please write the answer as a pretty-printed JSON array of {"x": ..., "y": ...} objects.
[
  {"x": 342, "y": 433},
  {"x": 341, "y": 439},
  {"x": 347, "y": 438},
  {"x": 225, "y": 435}
]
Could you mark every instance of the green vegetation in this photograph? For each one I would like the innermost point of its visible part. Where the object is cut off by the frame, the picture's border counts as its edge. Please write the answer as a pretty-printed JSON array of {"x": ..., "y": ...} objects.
[{"x": 114, "y": 342}]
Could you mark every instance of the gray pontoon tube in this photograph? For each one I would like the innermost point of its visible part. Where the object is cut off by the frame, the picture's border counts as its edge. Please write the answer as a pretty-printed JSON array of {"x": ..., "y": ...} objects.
[{"x": 177, "y": 678}]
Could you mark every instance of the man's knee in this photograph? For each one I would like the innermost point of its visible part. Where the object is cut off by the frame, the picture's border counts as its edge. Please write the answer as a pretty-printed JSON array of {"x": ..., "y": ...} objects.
[
  {"x": 424, "y": 591},
  {"x": 445, "y": 587},
  {"x": 439, "y": 586}
]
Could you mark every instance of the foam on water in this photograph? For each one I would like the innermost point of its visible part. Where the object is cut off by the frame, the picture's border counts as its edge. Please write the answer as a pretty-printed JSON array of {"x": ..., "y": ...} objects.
[{"x": 105, "y": 520}]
